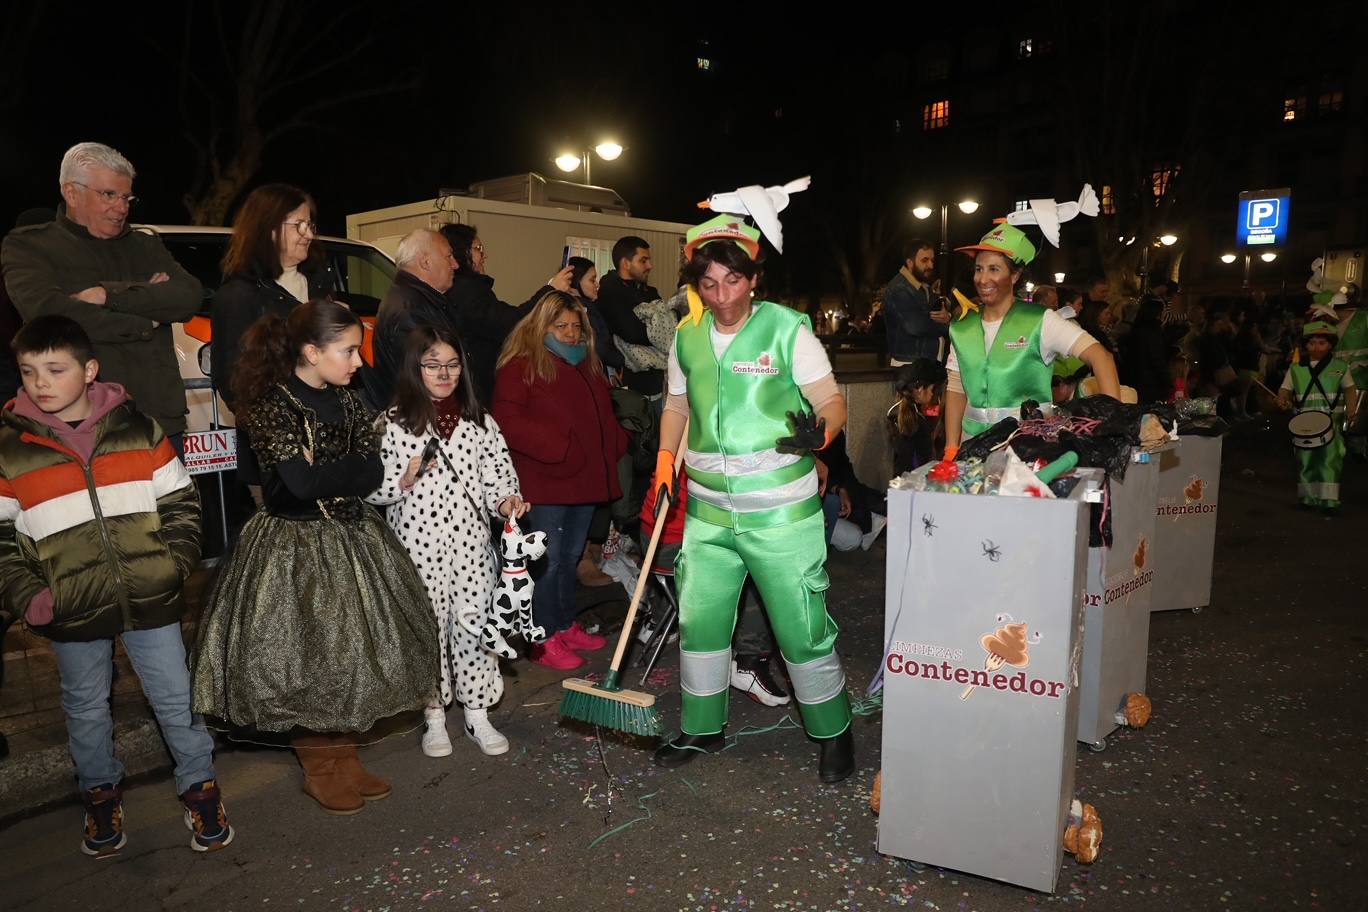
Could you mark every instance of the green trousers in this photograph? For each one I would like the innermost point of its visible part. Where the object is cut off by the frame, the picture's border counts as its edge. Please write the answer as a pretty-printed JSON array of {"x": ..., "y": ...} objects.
[
  {"x": 788, "y": 564},
  {"x": 1319, "y": 471}
]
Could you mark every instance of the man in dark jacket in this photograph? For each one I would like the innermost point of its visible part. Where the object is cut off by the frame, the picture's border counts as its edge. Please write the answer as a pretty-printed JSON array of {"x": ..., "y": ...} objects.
[
  {"x": 915, "y": 321},
  {"x": 619, "y": 293},
  {"x": 1144, "y": 361},
  {"x": 122, "y": 286},
  {"x": 416, "y": 298},
  {"x": 483, "y": 320}
]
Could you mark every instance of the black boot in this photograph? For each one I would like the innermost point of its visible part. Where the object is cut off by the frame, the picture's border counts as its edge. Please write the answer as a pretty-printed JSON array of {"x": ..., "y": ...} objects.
[
  {"x": 686, "y": 747},
  {"x": 837, "y": 758}
]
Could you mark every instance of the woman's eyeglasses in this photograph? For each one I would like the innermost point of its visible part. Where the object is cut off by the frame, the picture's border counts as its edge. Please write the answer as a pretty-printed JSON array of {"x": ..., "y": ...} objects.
[
  {"x": 303, "y": 226},
  {"x": 433, "y": 369}
]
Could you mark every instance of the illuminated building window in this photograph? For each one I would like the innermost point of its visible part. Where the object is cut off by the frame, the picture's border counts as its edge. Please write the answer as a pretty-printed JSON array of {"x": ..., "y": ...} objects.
[
  {"x": 1025, "y": 48},
  {"x": 1022, "y": 205},
  {"x": 704, "y": 64},
  {"x": 936, "y": 115},
  {"x": 1161, "y": 179},
  {"x": 1108, "y": 200}
]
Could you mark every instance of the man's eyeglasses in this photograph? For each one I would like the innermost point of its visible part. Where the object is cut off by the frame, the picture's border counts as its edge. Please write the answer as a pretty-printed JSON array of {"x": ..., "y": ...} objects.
[
  {"x": 433, "y": 369},
  {"x": 303, "y": 226},
  {"x": 111, "y": 196}
]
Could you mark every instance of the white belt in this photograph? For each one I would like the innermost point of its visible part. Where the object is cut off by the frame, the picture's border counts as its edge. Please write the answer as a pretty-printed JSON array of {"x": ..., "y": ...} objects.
[{"x": 994, "y": 415}]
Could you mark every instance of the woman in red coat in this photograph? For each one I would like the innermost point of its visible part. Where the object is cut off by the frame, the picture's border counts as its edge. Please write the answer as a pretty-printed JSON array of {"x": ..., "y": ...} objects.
[{"x": 551, "y": 400}]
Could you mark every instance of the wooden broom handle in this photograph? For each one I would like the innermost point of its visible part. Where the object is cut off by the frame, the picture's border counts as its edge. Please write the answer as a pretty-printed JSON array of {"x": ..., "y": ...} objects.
[{"x": 647, "y": 561}]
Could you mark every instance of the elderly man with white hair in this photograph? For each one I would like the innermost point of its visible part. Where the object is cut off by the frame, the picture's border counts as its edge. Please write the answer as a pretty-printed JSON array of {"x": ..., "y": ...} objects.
[
  {"x": 417, "y": 298},
  {"x": 122, "y": 286}
]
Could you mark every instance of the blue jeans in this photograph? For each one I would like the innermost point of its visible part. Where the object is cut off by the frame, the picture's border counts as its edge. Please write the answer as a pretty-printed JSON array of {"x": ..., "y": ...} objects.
[
  {"x": 87, "y": 672},
  {"x": 567, "y": 531}
]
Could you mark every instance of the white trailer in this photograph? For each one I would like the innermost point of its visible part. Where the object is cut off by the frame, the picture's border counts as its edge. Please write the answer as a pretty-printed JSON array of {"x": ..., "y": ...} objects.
[{"x": 525, "y": 242}]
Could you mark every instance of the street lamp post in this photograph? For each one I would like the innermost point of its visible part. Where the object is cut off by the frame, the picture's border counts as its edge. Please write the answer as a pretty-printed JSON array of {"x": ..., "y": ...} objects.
[
  {"x": 1167, "y": 239},
  {"x": 968, "y": 207},
  {"x": 569, "y": 161}
]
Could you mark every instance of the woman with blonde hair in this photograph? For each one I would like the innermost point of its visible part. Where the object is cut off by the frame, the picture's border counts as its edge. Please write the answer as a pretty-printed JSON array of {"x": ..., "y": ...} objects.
[{"x": 552, "y": 401}]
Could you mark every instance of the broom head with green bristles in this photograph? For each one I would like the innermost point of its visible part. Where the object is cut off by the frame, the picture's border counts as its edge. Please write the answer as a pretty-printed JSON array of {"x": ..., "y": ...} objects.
[{"x": 607, "y": 704}]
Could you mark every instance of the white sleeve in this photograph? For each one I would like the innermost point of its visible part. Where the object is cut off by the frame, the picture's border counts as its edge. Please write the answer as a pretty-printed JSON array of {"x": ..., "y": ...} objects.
[
  {"x": 1287, "y": 381},
  {"x": 675, "y": 382},
  {"x": 952, "y": 362},
  {"x": 1058, "y": 337},
  {"x": 810, "y": 362}
]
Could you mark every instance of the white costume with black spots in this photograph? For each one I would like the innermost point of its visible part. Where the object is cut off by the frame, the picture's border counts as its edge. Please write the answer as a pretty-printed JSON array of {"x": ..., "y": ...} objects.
[{"x": 444, "y": 524}]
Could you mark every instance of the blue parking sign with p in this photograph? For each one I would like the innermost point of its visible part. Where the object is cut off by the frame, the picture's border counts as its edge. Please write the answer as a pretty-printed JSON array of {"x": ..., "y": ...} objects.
[{"x": 1263, "y": 218}]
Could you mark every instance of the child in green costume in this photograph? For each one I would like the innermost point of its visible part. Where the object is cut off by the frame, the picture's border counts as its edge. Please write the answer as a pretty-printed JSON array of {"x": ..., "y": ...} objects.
[{"x": 1323, "y": 384}]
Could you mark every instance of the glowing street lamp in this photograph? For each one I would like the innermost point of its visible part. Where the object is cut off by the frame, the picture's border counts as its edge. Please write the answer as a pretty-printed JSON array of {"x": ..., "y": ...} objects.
[
  {"x": 923, "y": 211},
  {"x": 1168, "y": 240},
  {"x": 1059, "y": 278},
  {"x": 606, "y": 150},
  {"x": 1268, "y": 257},
  {"x": 1228, "y": 258}
]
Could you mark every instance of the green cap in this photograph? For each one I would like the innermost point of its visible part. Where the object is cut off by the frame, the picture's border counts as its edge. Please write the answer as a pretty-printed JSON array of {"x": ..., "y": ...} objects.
[
  {"x": 1007, "y": 240},
  {"x": 723, "y": 228},
  {"x": 1319, "y": 328}
]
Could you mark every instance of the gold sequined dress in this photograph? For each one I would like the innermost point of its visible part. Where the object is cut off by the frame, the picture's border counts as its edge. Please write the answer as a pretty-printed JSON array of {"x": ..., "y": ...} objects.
[{"x": 318, "y": 619}]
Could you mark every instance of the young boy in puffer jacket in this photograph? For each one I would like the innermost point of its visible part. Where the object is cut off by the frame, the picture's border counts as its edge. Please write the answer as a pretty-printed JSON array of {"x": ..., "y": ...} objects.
[{"x": 99, "y": 529}]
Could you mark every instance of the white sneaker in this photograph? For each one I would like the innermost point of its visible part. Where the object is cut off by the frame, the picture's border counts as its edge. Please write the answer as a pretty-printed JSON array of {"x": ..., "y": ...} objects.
[
  {"x": 478, "y": 729},
  {"x": 876, "y": 525},
  {"x": 436, "y": 743}
]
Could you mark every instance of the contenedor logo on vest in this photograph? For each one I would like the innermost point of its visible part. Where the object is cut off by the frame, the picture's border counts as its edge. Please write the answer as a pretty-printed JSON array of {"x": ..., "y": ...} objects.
[{"x": 763, "y": 365}]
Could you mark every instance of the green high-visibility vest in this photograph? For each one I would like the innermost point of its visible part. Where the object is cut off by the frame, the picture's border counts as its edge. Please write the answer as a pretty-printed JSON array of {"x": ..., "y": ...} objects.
[
  {"x": 1353, "y": 347},
  {"x": 1008, "y": 374},
  {"x": 737, "y": 410},
  {"x": 1330, "y": 379}
]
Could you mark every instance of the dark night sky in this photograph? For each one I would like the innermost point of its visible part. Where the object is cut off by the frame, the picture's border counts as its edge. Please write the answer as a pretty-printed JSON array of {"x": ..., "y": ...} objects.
[{"x": 495, "y": 91}]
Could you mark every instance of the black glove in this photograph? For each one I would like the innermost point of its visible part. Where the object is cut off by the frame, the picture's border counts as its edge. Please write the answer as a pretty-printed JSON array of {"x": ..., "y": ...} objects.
[{"x": 809, "y": 433}]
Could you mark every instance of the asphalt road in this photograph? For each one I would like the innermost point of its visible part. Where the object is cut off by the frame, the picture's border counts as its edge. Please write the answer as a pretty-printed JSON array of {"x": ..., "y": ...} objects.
[{"x": 1246, "y": 791}]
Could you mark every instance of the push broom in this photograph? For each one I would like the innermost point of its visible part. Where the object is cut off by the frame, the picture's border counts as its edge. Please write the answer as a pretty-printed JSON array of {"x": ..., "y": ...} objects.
[{"x": 607, "y": 704}]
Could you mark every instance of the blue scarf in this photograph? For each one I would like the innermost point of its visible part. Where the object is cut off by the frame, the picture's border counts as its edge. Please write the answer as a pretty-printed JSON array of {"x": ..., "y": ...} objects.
[{"x": 574, "y": 354}]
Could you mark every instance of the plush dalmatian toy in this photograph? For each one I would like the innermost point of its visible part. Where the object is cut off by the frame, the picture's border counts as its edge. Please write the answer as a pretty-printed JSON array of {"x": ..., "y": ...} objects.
[{"x": 511, "y": 611}]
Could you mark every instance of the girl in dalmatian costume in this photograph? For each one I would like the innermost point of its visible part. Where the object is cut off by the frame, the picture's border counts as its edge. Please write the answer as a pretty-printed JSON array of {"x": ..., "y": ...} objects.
[{"x": 443, "y": 518}]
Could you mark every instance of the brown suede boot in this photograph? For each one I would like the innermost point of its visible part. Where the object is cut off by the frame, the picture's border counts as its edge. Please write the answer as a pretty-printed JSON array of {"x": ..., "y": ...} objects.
[
  {"x": 325, "y": 777},
  {"x": 370, "y": 786}
]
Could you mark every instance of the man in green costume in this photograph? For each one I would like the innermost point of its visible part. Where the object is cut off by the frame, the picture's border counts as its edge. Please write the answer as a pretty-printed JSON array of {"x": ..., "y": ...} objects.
[
  {"x": 1002, "y": 353},
  {"x": 1320, "y": 382},
  {"x": 755, "y": 388}
]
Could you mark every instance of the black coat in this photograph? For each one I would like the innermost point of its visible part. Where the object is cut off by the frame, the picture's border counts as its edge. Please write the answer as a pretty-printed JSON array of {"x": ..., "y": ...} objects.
[
  {"x": 617, "y": 300},
  {"x": 240, "y": 301},
  {"x": 1144, "y": 363},
  {"x": 409, "y": 303},
  {"x": 483, "y": 323}
]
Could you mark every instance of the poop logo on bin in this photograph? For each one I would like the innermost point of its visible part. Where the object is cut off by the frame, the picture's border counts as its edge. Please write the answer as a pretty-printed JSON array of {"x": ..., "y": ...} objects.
[
  {"x": 1141, "y": 555},
  {"x": 1195, "y": 500},
  {"x": 1009, "y": 643}
]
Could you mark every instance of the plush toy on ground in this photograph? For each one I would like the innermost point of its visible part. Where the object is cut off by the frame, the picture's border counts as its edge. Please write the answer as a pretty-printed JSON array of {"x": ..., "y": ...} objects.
[
  {"x": 511, "y": 611},
  {"x": 1083, "y": 837}
]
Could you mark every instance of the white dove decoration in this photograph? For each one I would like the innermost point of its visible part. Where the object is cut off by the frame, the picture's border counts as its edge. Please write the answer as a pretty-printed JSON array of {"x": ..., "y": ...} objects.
[
  {"x": 762, "y": 204},
  {"x": 1048, "y": 214}
]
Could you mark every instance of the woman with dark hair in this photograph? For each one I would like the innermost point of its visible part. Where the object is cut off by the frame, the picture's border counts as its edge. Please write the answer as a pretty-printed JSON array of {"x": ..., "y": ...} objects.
[
  {"x": 584, "y": 284},
  {"x": 1096, "y": 318},
  {"x": 441, "y": 511},
  {"x": 318, "y": 625},
  {"x": 1003, "y": 354},
  {"x": 553, "y": 404},
  {"x": 756, "y": 391},
  {"x": 271, "y": 266},
  {"x": 484, "y": 320}
]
